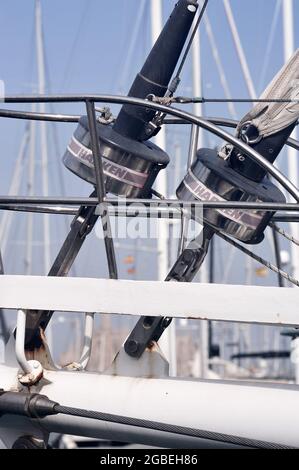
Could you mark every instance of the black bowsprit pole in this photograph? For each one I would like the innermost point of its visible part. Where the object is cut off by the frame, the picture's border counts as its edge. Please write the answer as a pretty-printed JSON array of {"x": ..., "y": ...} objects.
[
  {"x": 155, "y": 76},
  {"x": 130, "y": 163}
]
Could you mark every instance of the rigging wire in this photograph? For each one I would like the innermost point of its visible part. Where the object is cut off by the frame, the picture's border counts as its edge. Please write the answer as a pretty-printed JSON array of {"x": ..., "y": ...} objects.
[
  {"x": 222, "y": 75},
  {"x": 277, "y": 252},
  {"x": 6, "y": 220},
  {"x": 284, "y": 234},
  {"x": 270, "y": 43},
  {"x": 177, "y": 77},
  {"x": 252, "y": 94},
  {"x": 56, "y": 143},
  {"x": 259, "y": 259},
  {"x": 4, "y": 331},
  {"x": 66, "y": 77},
  {"x": 163, "y": 427},
  {"x": 130, "y": 50},
  {"x": 54, "y": 128},
  {"x": 239, "y": 48},
  {"x": 219, "y": 65},
  {"x": 202, "y": 99}
]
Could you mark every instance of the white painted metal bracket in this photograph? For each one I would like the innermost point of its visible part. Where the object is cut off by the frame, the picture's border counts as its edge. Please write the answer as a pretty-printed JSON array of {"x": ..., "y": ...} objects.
[{"x": 32, "y": 370}]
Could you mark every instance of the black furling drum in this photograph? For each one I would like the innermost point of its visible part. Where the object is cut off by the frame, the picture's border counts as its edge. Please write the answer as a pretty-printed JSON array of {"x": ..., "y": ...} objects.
[{"x": 130, "y": 167}]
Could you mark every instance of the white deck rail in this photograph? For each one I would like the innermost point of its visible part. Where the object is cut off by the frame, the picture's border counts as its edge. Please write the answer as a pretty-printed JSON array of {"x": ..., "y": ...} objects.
[{"x": 247, "y": 304}]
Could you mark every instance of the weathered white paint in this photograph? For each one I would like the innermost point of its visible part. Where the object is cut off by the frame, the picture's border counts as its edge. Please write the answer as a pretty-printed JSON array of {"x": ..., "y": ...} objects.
[
  {"x": 268, "y": 305},
  {"x": 257, "y": 411}
]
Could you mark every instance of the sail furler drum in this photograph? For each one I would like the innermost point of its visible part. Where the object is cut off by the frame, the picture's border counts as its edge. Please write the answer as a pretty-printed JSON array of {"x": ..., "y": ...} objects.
[
  {"x": 229, "y": 175},
  {"x": 131, "y": 163}
]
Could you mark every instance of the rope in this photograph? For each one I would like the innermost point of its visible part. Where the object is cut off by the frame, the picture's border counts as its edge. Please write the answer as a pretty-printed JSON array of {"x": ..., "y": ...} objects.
[{"x": 169, "y": 428}]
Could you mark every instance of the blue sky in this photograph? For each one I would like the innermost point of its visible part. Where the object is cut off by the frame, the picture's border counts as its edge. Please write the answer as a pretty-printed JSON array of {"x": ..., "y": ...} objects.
[
  {"x": 86, "y": 43},
  {"x": 105, "y": 31}
]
